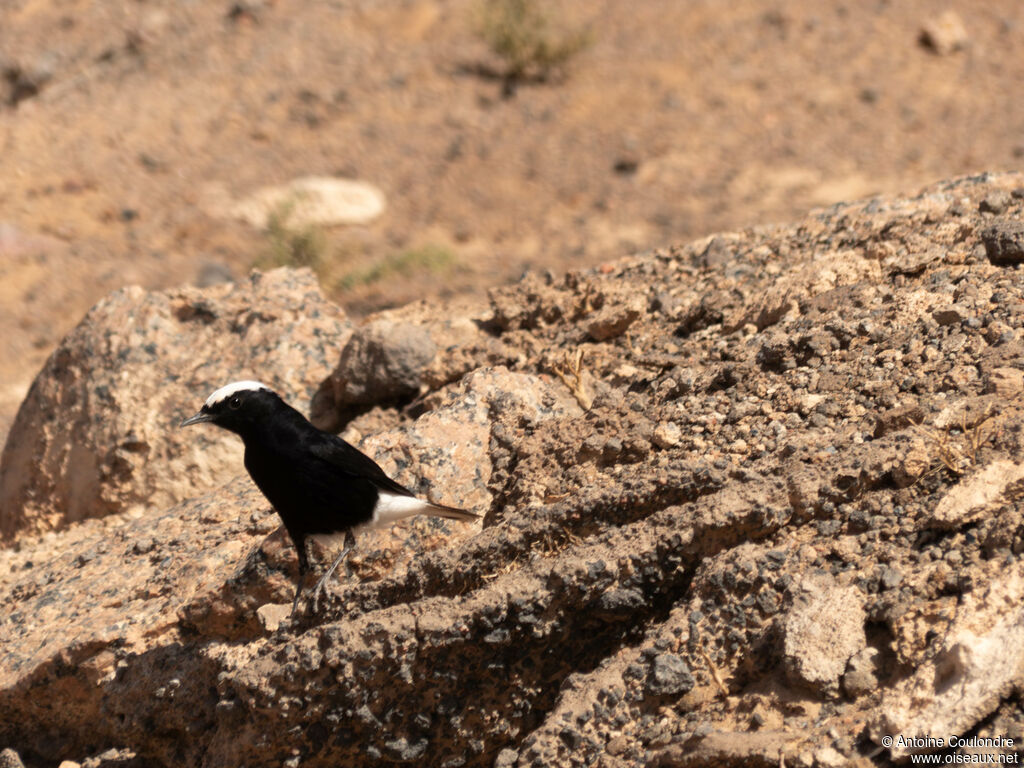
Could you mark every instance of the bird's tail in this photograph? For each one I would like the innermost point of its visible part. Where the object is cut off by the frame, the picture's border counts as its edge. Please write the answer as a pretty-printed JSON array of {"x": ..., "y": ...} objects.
[
  {"x": 451, "y": 513},
  {"x": 392, "y": 507}
]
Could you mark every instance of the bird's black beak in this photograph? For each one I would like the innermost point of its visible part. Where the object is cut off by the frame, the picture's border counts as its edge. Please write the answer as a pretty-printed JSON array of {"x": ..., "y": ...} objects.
[{"x": 199, "y": 418}]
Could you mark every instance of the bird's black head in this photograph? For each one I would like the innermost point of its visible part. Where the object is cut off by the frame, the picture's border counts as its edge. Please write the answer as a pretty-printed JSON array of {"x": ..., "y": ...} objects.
[{"x": 239, "y": 407}]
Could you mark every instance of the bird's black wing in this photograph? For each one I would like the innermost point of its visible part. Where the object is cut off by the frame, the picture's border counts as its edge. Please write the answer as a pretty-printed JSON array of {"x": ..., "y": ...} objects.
[{"x": 352, "y": 462}]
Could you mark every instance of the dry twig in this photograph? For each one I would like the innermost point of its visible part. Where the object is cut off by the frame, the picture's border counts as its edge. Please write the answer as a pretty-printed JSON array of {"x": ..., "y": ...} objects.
[
  {"x": 572, "y": 374},
  {"x": 723, "y": 689}
]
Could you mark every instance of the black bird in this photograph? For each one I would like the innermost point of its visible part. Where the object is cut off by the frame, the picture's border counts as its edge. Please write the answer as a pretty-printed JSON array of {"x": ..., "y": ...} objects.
[{"x": 322, "y": 488}]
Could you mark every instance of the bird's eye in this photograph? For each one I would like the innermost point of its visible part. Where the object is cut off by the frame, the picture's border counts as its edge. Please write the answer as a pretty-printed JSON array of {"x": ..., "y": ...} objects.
[{"x": 235, "y": 403}]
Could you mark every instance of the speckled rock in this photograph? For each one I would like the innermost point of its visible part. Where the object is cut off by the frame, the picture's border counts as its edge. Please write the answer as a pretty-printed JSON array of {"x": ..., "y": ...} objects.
[
  {"x": 669, "y": 675},
  {"x": 1004, "y": 241},
  {"x": 381, "y": 363},
  {"x": 978, "y": 661},
  {"x": 131, "y": 578},
  {"x": 977, "y": 494},
  {"x": 822, "y": 632},
  {"x": 97, "y": 433},
  {"x": 862, "y": 673},
  {"x": 401, "y": 354},
  {"x": 454, "y": 432}
]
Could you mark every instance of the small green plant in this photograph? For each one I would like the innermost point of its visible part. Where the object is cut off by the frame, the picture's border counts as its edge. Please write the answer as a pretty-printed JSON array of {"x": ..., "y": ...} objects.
[
  {"x": 530, "y": 44},
  {"x": 290, "y": 245},
  {"x": 426, "y": 258}
]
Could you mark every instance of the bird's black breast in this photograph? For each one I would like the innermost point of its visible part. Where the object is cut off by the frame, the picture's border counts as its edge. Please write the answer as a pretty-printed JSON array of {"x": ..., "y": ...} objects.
[{"x": 311, "y": 493}]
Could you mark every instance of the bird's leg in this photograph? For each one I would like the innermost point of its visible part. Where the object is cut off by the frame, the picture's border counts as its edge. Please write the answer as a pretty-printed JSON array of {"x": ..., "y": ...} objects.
[
  {"x": 350, "y": 541},
  {"x": 303, "y": 570}
]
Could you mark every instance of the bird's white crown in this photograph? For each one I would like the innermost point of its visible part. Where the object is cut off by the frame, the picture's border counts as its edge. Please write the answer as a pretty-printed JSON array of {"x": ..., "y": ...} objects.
[{"x": 229, "y": 389}]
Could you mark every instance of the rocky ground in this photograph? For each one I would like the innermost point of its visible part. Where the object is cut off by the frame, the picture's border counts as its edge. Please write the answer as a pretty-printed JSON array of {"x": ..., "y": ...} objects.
[{"x": 754, "y": 500}]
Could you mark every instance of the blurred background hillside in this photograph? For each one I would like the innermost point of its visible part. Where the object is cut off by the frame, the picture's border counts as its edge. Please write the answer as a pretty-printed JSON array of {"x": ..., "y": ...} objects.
[{"x": 500, "y": 136}]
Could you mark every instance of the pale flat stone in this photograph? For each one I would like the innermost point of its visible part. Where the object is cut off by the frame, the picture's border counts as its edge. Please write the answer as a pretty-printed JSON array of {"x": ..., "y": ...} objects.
[{"x": 309, "y": 200}]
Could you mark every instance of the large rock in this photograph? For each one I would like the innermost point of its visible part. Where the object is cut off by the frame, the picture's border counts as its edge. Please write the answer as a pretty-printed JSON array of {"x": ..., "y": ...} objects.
[
  {"x": 401, "y": 354},
  {"x": 98, "y": 433},
  {"x": 455, "y": 432},
  {"x": 383, "y": 362},
  {"x": 737, "y": 530}
]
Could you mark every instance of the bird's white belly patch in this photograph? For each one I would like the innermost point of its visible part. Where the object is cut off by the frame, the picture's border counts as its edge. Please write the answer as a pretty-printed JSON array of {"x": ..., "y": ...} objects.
[{"x": 389, "y": 509}]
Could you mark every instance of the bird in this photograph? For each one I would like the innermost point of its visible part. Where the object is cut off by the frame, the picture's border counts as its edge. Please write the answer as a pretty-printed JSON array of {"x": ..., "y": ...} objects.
[{"x": 322, "y": 488}]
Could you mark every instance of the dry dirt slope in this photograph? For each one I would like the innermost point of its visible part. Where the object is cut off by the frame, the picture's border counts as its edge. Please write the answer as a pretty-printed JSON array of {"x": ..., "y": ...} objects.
[{"x": 750, "y": 499}]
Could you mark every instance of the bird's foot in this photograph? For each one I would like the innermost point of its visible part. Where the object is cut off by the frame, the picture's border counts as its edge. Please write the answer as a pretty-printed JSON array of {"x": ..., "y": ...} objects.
[
  {"x": 311, "y": 601},
  {"x": 317, "y": 590},
  {"x": 300, "y": 592},
  {"x": 295, "y": 603}
]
